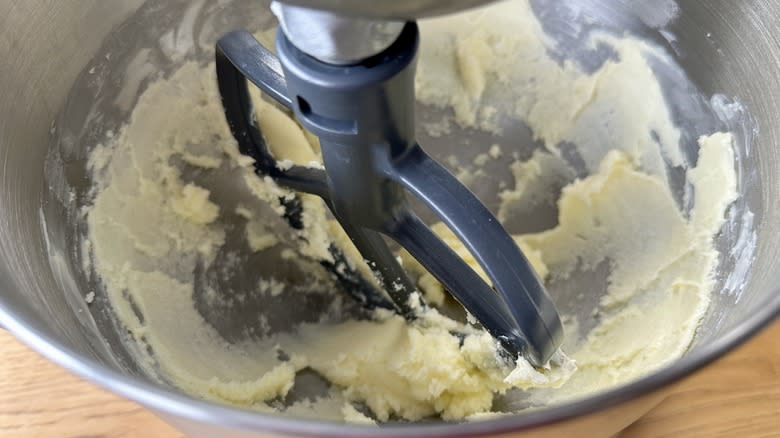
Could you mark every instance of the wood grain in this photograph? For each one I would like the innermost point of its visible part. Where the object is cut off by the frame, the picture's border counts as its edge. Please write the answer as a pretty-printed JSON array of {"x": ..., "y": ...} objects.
[{"x": 737, "y": 396}]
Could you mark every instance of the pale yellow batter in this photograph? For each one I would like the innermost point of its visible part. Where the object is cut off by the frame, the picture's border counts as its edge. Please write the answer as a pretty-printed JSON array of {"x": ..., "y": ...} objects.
[{"x": 158, "y": 215}]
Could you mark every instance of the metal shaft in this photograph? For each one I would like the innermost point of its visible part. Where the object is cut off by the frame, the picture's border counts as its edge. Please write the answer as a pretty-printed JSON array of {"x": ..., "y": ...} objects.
[
  {"x": 334, "y": 38},
  {"x": 402, "y": 10}
]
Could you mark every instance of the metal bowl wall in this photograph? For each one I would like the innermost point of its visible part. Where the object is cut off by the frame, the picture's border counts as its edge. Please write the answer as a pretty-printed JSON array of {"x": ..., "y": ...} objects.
[{"x": 726, "y": 47}]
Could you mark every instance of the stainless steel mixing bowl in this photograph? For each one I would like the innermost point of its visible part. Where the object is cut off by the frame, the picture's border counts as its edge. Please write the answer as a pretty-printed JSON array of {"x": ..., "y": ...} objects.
[{"x": 47, "y": 48}]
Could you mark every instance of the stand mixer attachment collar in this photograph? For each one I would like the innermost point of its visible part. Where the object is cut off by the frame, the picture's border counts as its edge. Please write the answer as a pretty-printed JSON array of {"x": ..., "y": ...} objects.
[{"x": 363, "y": 114}]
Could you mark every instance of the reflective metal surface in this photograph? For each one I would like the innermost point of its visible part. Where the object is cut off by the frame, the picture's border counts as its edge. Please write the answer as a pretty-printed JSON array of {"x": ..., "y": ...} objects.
[
  {"x": 49, "y": 47},
  {"x": 334, "y": 38},
  {"x": 397, "y": 9}
]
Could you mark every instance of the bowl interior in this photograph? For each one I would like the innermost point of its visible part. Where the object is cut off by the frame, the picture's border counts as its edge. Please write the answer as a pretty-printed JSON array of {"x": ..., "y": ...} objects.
[{"x": 66, "y": 87}]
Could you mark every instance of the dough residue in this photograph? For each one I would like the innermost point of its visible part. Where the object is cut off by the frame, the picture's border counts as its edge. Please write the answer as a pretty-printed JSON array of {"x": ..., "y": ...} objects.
[{"x": 173, "y": 196}]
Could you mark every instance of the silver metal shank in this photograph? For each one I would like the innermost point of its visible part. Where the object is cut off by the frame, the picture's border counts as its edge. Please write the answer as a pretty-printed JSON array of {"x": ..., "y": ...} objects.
[
  {"x": 335, "y": 38},
  {"x": 390, "y": 10}
]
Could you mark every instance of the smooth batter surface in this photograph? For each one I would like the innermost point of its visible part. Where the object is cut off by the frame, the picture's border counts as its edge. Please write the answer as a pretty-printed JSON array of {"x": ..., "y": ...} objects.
[{"x": 170, "y": 188}]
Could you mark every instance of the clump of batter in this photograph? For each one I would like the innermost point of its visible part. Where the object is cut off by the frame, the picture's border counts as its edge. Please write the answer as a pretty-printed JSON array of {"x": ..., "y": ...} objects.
[{"x": 171, "y": 189}]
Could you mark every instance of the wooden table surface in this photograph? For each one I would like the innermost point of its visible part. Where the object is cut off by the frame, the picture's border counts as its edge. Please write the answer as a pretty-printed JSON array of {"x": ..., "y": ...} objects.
[{"x": 738, "y": 396}]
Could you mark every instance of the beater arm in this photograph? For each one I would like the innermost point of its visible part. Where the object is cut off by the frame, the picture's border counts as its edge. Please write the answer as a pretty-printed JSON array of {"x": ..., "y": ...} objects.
[{"x": 362, "y": 110}]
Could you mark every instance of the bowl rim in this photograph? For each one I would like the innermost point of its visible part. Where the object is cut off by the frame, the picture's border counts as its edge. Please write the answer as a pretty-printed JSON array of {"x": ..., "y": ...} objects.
[{"x": 169, "y": 402}]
